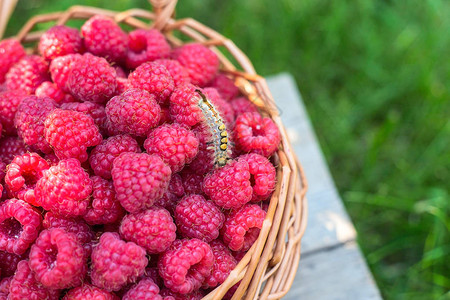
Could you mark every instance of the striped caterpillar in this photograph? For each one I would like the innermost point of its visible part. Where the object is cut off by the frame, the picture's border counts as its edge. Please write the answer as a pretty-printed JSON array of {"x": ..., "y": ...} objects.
[{"x": 218, "y": 129}]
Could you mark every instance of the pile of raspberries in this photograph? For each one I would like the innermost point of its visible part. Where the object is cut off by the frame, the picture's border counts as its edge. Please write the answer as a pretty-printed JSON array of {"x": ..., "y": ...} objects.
[{"x": 108, "y": 181}]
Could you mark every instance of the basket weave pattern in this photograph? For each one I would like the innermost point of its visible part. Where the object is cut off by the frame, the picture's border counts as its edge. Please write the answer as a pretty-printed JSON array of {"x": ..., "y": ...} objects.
[{"x": 268, "y": 269}]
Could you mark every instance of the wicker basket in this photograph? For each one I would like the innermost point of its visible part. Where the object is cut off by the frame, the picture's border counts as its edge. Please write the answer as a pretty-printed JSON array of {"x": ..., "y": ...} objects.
[{"x": 268, "y": 269}]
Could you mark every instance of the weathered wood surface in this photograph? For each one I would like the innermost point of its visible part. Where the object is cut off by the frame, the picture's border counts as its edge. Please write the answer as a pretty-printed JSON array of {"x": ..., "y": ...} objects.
[{"x": 331, "y": 265}]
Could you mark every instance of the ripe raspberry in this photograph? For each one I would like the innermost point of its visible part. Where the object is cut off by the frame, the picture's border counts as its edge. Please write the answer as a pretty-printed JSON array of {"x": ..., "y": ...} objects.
[
  {"x": 139, "y": 179},
  {"x": 94, "y": 110},
  {"x": 103, "y": 155},
  {"x": 2, "y": 170},
  {"x": 152, "y": 229},
  {"x": 122, "y": 85},
  {"x": 51, "y": 90},
  {"x": 87, "y": 291},
  {"x": 120, "y": 72},
  {"x": 197, "y": 218},
  {"x": 116, "y": 263},
  {"x": 263, "y": 176},
  {"x": 192, "y": 182},
  {"x": 185, "y": 265},
  {"x": 224, "y": 108},
  {"x": 92, "y": 79},
  {"x": 204, "y": 161},
  {"x": 29, "y": 121},
  {"x": 184, "y": 107},
  {"x": 174, "y": 192},
  {"x": 144, "y": 46},
  {"x": 59, "y": 41},
  {"x": 176, "y": 70},
  {"x": 165, "y": 115},
  {"x": 105, "y": 208},
  {"x": 103, "y": 37},
  {"x": 134, "y": 112},
  {"x": 229, "y": 187},
  {"x": 242, "y": 227},
  {"x": 64, "y": 189},
  {"x": 144, "y": 290},
  {"x": 8, "y": 263},
  {"x": 23, "y": 173},
  {"x": 58, "y": 259},
  {"x": 10, "y": 147},
  {"x": 19, "y": 226},
  {"x": 11, "y": 51},
  {"x": 224, "y": 263},
  {"x": 70, "y": 133},
  {"x": 170, "y": 295},
  {"x": 256, "y": 134},
  {"x": 242, "y": 105},
  {"x": 25, "y": 286},
  {"x": 225, "y": 86},
  {"x": 5, "y": 283},
  {"x": 60, "y": 69},
  {"x": 154, "y": 78},
  {"x": 175, "y": 144},
  {"x": 27, "y": 74},
  {"x": 9, "y": 102},
  {"x": 201, "y": 63}
]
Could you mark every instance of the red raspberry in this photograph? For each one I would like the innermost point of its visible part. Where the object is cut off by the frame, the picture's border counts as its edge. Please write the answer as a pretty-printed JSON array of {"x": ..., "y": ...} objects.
[
  {"x": 92, "y": 79},
  {"x": 23, "y": 173},
  {"x": 170, "y": 295},
  {"x": 225, "y": 86},
  {"x": 139, "y": 180},
  {"x": 201, "y": 63},
  {"x": 154, "y": 78},
  {"x": 144, "y": 290},
  {"x": 172, "y": 195},
  {"x": 105, "y": 208},
  {"x": 2, "y": 170},
  {"x": 239, "y": 255},
  {"x": 87, "y": 291},
  {"x": 19, "y": 226},
  {"x": 198, "y": 218},
  {"x": 29, "y": 121},
  {"x": 116, "y": 263},
  {"x": 64, "y": 189},
  {"x": 11, "y": 51},
  {"x": 10, "y": 147},
  {"x": 9, "y": 102},
  {"x": 134, "y": 112},
  {"x": 242, "y": 105},
  {"x": 175, "y": 144},
  {"x": 176, "y": 70},
  {"x": 256, "y": 134},
  {"x": 165, "y": 115},
  {"x": 60, "y": 69},
  {"x": 192, "y": 182},
  {"x": 230, "y": 186},
  {"x": 58, "y": 259},
  {"x": 144, "y": 46},
  {"x": 103, "y": 155},
  {"x": 8, "y": 263},
  {"x": 122, "y": 85},
  {"x": 224, "y": 263},
  {"x": 152, "y": 229},
  {"x": 25, "y": 286},
  {"x": 224, "y": 108},
  {"x": 70, "y": 133},
  {"x": 185, "y": 265},
  {"x": 5, "y": 283},
  {"x": 103, "y": 37},
  {"x": 51, "y": 90},
  {"x": 241, "y": 228},
  {"x": 204, "y": 161},
  {"x": 263, "y": 176},
  {"x": 120, "y": 72},
  {"x": 59, "y": 41},
  {"x": 27, "y": 74},
  {"x": 184, "y": 107},
  {"x": 94, "y": 110}
]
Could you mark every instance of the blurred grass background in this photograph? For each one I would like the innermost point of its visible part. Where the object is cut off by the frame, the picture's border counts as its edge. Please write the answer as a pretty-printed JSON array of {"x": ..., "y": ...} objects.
[{"x": 375, "y": 76}]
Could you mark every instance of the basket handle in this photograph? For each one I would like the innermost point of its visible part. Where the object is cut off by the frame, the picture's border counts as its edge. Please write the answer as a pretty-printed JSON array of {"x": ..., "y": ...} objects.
[
  {"x": 6, "y": 9},
  {"x": 163, "y": 9}
]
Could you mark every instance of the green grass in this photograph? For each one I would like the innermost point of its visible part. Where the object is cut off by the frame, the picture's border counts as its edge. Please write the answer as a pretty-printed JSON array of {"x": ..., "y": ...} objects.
[{"x": 375, "y": 76}]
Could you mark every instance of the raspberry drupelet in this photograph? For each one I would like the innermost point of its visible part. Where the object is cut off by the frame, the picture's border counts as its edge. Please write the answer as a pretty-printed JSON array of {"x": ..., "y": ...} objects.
[
  {"x": 185, "y": 265},
  {"x": 19, "y": 226},
  {"x": 59, "y": 41},
  {"x": 139, "y": 179},
  {"x": 145, "y": 46},
  {"x": 27, "y": 74},
  {"x": 58, "y": 259},
  {"x": 116, "y": 263},
  {"x": 70, "y": 133},
  {"x": 11, "y": 52},
  {"x": 64, "y": 189},
  {"x": 263, "y": 176},
  {"x": 9, "y": 103},
  {"x": 23, "y": 173},
  {"x": 87, "y": 291},
  {"x": 152, "y": 229}
]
